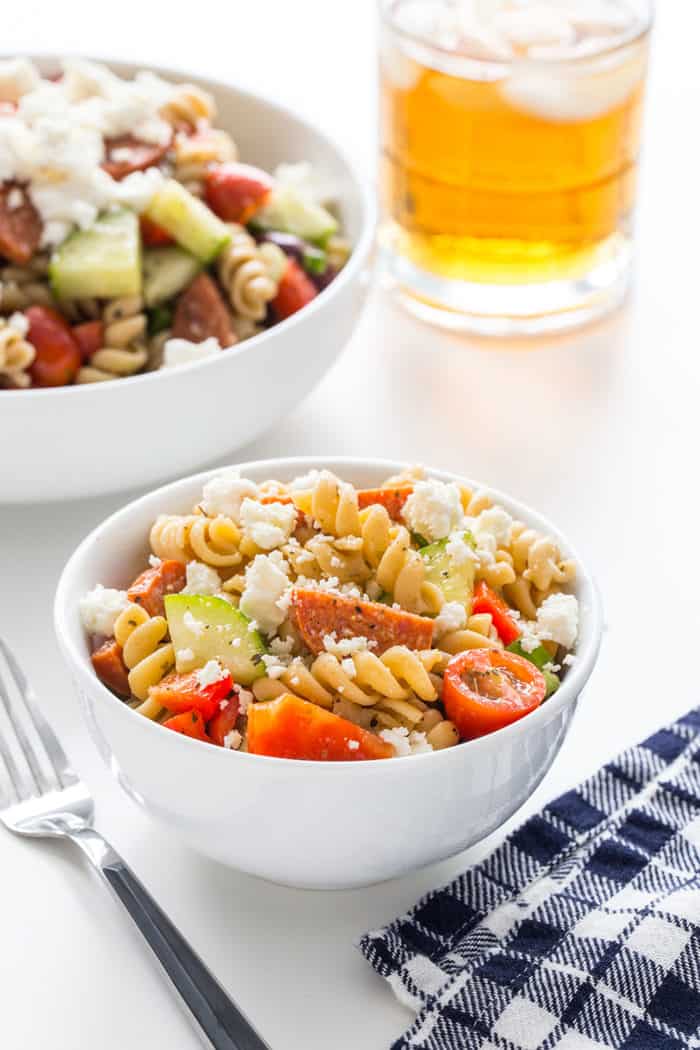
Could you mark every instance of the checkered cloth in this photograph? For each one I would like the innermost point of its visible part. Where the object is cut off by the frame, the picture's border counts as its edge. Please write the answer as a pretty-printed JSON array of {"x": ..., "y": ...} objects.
[{"x": 581, "y": 931}]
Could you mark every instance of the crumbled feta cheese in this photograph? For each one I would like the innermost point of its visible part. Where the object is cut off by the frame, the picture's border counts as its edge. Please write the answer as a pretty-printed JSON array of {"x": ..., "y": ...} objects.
[
  {"x": 266, "y": 591},
  {"x": 201, "y": 579},
  {"x": 496, "y": 523},
  {"x": 405, "y": 743},
  {"x": 529, "y": 638},
  {"x": 353, "y": 745},
  {"x": 305, "y": 481},
  {"x": 100, "y": 608},
  {"x": 19, "y": 323},
  {"x": 18, "y": 76},
  {"x": 275, "y": 666},
  {"x": 569, "y": 660},
  {"x": 15, "y": 199},
  {"x": 268, "y": 525},
  {"x": 348, "y": 666},
  {"x": 183, "y": 352},
  {"x": 557, "y": 619},
  {"x": 345, "y": 646},
  {"x": 282, "y": 646},
  {"x": 154, "y": 561},
  {"x": 459, "y": 551},
  {"x": 245, "y": 699},
  {"x": 452, "y": 617},
  {"x": 210, "y": 673},
  {"x": 194, "y": 625},
  {"x": 434, "y": 509},
  {"x": 225, "y": 493},
  {"x": 233, "y": 740},
  {"x": 552, "y": 668},
  {"x": 223, "y": 704}
]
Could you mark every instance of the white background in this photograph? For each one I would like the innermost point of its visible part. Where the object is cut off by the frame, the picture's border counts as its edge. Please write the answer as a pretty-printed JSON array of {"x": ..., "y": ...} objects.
[{"x": 600, "y": 431}]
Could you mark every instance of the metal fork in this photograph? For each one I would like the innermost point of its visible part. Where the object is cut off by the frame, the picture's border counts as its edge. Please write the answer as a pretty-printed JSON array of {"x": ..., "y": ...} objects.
[{"x": 40, "y": 795}]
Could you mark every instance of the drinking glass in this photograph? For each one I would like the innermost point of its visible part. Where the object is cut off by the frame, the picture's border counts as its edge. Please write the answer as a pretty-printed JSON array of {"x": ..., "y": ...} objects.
[{"x": 510, "y": 133}]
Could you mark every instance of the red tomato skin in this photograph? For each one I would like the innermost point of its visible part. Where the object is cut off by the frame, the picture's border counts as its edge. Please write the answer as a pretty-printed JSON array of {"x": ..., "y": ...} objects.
[
  {"x": 224, "y": 720},
  {"x": 487, "y": 601},
  {"x": 294, "y": 291},
  {"x": 189, "y": 723},
  {"x": 57, "y": 352},
  {"x": 179, "y": 693},
  {"x": 153, "y": 235},
  {"x": 235, "y": 192},
  {"x": 290, "y": 727},
  {"x": 476, "y": 715},
  {"x": 89, "y": 337}
]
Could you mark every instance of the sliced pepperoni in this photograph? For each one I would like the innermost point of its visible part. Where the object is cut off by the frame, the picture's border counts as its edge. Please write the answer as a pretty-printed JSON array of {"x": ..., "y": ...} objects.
[
  {"x": 392, "y": 499},
  {"x": 126, "y": 154},
  {"x": 201, "y": 312},
  {"x": 110, "y": 667},
  {"x": 20, "y": 224},
  {"x": 149, "y": 589},
  {"x": 319, "y": 613}
]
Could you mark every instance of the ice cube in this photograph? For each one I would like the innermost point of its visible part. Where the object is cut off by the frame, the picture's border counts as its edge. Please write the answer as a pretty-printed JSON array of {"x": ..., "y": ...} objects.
[
  {"x": 567, "y": 96},
  {"x": 537, "y": 25},
  {"x": 599, "y": 17}
]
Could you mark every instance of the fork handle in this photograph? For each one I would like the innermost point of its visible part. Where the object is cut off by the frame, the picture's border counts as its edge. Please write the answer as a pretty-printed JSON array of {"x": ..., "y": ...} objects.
[{"x": 223, "y": 1024}]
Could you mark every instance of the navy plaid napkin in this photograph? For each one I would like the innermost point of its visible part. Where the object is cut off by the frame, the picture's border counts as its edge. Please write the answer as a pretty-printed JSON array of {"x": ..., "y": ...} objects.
[{"x": 581, "y": 931}]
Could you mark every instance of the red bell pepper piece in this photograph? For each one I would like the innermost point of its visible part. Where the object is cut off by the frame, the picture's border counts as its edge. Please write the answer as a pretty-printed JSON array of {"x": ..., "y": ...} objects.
[
  {"x": 180, "y": 693},
  {"x": 190, "y": 723},
  {"x": 487, "y": 601}
]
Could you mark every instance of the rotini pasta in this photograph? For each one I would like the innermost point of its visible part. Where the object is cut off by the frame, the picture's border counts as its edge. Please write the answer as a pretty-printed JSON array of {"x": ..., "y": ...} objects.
[
  {"x": 192, "y": 537},
  {"x": 25, "y": 286},
  {"x": 246, "y": 273},
  {"x": 345, "y": 630},
  {"x": 190, "y": 105},
  {"x": 193, "y": 155},
  {"x": 16, "y": 354},
  {"x": 146, "y": 653}
]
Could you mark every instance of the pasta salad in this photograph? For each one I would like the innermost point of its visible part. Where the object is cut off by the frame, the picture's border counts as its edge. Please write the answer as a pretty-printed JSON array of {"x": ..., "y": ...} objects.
[
  {"x": 132, "y": 237},
  {"x": 314, "y": 620}
]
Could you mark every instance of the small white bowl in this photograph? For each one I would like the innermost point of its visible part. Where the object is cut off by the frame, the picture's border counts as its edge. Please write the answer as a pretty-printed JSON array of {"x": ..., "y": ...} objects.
[
  {"x": 77, "y": 441},
  {"x": 310, "y": 824}
]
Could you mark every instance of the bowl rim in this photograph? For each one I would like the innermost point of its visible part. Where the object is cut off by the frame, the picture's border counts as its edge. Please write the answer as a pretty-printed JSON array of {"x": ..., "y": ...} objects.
[
  {"x": 573, "y": 684},
  {"x": 361, "y": 249}
]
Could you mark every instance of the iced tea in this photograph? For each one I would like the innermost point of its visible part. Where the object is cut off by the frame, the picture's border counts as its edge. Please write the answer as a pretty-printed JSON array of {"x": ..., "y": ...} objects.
[{"x": 510, "y": 144}]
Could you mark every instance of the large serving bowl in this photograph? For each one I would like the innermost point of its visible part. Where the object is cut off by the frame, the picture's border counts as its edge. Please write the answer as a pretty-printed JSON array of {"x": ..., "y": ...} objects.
[
  {"x": 311, "y": 824},
  {"x": 85, "y": 440}
]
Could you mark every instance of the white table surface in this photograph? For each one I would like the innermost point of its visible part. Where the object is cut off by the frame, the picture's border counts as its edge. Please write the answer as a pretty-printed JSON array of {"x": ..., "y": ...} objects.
[{"x": 599, "y": 430}]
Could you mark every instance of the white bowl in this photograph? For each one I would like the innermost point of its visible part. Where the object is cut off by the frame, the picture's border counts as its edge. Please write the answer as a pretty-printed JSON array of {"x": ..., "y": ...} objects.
[
  {"x": 309, "y": 824},
  {"x": 86, "y": 440}
]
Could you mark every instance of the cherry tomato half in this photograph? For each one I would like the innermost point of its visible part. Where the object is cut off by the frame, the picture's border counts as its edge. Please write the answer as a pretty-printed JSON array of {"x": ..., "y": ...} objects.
[{"x": 486, "y": 689}]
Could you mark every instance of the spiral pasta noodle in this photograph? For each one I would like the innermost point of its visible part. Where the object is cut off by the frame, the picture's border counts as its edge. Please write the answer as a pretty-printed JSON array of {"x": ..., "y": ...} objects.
[
  {"x": 398, "y": 569},
  {"x": 25, "y": 286},
  {"x": 245, "y": 273},
  {"x": 124, "y": 352},
  {"x": 192, "y": 537},
  {"x": 16, "y": 354},
  {"x": 194, "y": 154},
  {"x": 188, "y": 104},
  {"x": 147, "y": 656}
]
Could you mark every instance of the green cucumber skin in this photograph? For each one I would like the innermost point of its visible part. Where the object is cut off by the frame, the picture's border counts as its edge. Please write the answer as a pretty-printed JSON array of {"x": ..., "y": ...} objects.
[
  {"x": 80, "y": 266},
  {"x": 243, "y": 661},
  {"x": 189, "y": 221},
  {"x": 166, "y": 271},
  {"x": 456, "y": 586},
  {"x": 289, "y": 213}
]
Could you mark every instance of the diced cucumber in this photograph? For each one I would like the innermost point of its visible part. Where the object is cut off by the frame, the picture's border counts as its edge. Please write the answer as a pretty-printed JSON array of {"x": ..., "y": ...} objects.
[
  {"x": 455, "y": 579},
  {"x": 539, "y": 657},
  {"x": 288, "y": 211},
  {"x": 214, "y": 630},
  {"x": 166, "y": 271},
  {"x": 102, "y": 262},
  {"x": 189, "y": 221}
]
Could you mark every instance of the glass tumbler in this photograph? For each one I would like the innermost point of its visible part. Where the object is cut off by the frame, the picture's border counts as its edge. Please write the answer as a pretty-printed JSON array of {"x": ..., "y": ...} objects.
[{"x": 510, "y": 134}]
